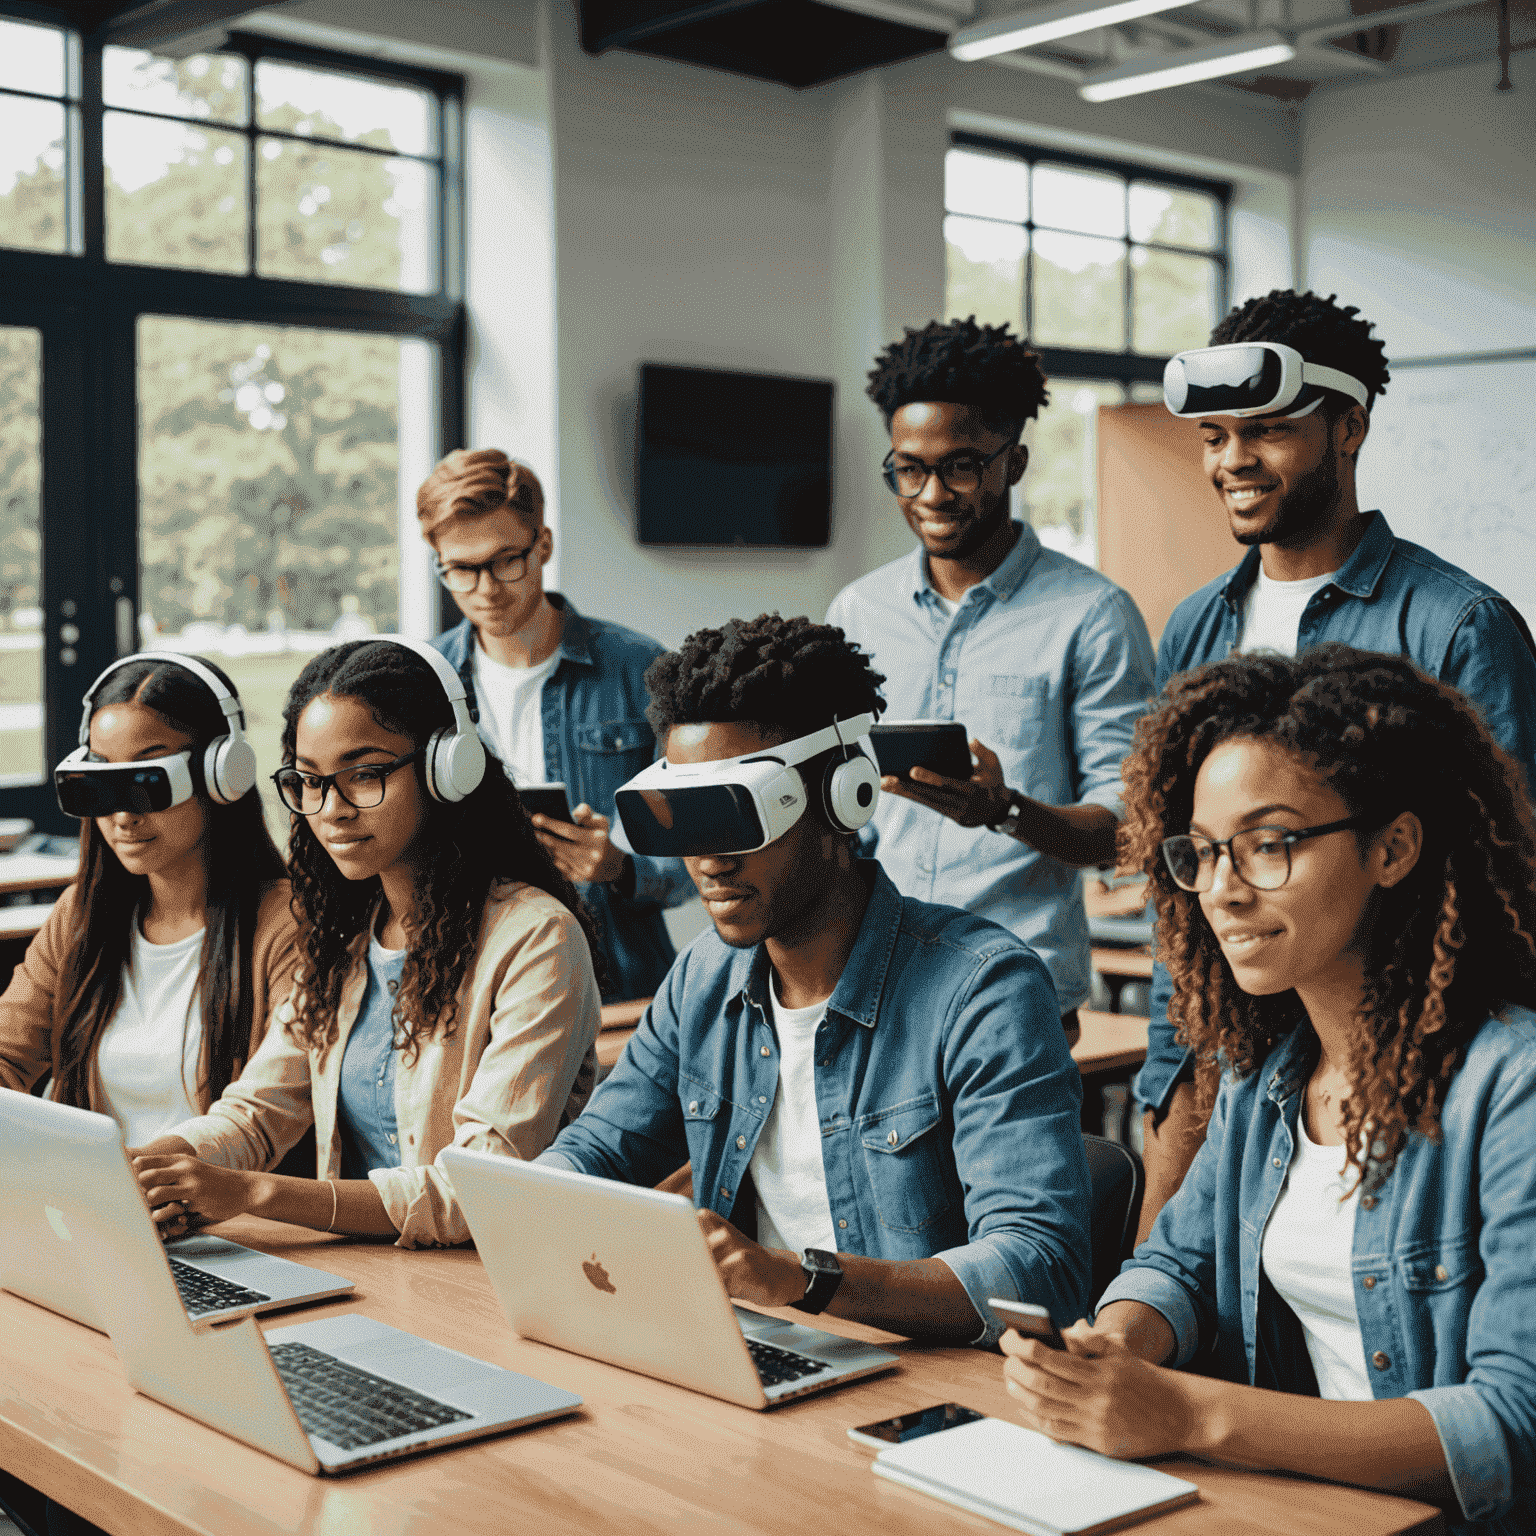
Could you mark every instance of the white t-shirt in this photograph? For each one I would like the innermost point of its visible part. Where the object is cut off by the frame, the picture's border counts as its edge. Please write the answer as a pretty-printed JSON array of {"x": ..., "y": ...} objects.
[
  {"x": 792, "y": 1207},
  {"x": 1308, "y": 1243},
  {"x": 1272, "y": 612},
  {"x": 511, "y": 714},
  {"x": 151, "y": 1051}
]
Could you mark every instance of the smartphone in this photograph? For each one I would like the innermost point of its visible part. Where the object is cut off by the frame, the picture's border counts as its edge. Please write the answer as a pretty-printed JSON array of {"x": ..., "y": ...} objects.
[
  {"x": 545, "y": 800},
  {"x": 1032, "y": 1321},
  {"x": 913, "y": 1426},
  {"x": 902, "y": 745}
]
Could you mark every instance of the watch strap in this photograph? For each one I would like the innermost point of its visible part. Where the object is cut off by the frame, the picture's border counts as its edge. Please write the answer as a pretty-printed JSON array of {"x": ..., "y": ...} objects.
[
  {"x": 1009, "y": 825},
  {"x": 823, "y": 1276}
]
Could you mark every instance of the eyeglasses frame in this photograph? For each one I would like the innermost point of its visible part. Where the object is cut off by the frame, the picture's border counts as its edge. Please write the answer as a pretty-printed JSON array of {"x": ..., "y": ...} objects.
[
  {"x": 1287, "y": 835},
  {"x": 525, "y": 554},
  {"x": 328, "y": 783},
  {"x": 888, "y": 468}
]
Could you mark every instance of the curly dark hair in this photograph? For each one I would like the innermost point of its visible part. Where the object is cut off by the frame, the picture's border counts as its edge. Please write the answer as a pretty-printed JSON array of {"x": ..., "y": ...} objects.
[
  {"x": 242, "y": 864},
  {"x": 1320, "y": 329},
  {"x": 961, "y": 363},
  {"x": 483, "y": 840},
  {"x": 1450, "y": 945},
  {"x": 785, "y": 676}
]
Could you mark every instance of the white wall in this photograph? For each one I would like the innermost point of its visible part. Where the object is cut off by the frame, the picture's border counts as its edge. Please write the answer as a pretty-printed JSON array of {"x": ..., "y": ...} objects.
[{"x": 1418, "y": 203}]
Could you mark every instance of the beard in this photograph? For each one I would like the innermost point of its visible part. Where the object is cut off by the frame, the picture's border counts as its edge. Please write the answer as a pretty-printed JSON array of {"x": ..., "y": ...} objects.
[{"x": 1303, "y": 512}]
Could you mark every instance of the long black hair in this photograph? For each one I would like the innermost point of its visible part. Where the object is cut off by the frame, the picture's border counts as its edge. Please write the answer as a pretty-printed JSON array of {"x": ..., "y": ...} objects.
[
  {"x": 241, "y": 863},
  {"x": 474, "y": 844}
]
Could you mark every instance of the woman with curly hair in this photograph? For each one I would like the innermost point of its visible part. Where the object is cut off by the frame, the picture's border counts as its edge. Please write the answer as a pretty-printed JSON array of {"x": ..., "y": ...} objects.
[
  {"x": 1345, "y": 873},
  {"x": 446, "y": 993}
]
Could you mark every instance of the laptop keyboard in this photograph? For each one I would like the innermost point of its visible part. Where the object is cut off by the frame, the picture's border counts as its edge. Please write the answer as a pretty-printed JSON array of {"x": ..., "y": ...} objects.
[
  {"x": 202, "y": 1292},
  {"x": 776, "y": 1366},
  {"x": 352, "y": 1408}
]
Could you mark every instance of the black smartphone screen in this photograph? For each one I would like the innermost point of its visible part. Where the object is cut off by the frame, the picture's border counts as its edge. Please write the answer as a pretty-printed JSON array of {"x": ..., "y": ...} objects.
[
  {"x": 940, "y": 745},
  {"x": 925, "y": 1421},
  {"x": 546, "y": 800}
]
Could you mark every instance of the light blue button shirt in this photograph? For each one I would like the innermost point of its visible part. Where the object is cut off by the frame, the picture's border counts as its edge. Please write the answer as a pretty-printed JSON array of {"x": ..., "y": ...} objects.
[
  {"x": 370, "y": 1137},
  {"x": 1049, "y": 664}
]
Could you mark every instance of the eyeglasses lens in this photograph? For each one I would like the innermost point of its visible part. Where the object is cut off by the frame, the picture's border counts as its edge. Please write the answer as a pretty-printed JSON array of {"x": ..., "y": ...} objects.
[
  {"x": 465, "y": 578},
  {"x": 961, "y": 476},
  {"x": 1262, "y": 860},
  {"x": 362, "y": 788}
]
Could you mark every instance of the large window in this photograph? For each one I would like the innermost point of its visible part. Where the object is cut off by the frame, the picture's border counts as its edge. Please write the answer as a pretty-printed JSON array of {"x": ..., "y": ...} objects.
[
  {"x": 230, "y": 347},
  {"x": 1108, "y": 269}
]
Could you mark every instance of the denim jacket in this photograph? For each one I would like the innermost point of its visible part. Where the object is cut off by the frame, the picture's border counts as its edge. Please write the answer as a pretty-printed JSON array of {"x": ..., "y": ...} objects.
[
  {"x": 1443, "y": 1262},
  {"x": 1389, "y": 596},
  {"x": 596, "y": 737},
  {"x": 949, "y": 1103}
]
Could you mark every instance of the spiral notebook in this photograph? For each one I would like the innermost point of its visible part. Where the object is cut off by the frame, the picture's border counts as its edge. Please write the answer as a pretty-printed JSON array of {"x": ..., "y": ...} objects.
[{"x": 1030, "y": 1483}]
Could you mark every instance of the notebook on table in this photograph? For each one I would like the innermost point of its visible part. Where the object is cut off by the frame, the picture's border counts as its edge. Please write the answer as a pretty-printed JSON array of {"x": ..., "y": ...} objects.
[
  {"x": 323, "y": 1396},
  {"x": 216, "y": 1278},
  {"x": 624, "y": 1275},
  {"x": 1028, "y": 1482}
]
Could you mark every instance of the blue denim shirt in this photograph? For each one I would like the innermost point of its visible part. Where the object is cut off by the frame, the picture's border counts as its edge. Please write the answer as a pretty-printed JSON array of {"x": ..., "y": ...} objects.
[
  {"x": 1390, "y": 596},
  {"x": 596, "y": 737},
  {"x": 949, "y": 1104},
  {"x": 1443, "y": 1262},
  {"x": 1049, "y": 664},
  {"x": 365, "y": 1105}
]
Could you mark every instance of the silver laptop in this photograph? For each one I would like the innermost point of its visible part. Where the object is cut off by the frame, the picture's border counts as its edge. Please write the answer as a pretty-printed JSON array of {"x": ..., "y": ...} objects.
[
  {"x": 624, "y": 1275},
  {"x": 217, "y": 1279},
  {"x": 322, "y": 1396}
]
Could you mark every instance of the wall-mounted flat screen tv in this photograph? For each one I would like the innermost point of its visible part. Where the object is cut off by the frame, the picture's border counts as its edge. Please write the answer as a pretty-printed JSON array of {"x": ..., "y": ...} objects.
[{"x": 732, "y": 458}]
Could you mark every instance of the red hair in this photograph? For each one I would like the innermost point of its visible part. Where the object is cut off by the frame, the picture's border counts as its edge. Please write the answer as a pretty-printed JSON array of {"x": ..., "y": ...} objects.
[{"x": 472, "y": 482}]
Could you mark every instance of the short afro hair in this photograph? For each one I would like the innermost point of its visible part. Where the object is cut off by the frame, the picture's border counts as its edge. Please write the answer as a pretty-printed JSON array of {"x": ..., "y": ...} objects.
[
  {"x": 961, "y": 363},
  {"x": 1320, "y": 329},
  {"x": 787, "y": 677}
]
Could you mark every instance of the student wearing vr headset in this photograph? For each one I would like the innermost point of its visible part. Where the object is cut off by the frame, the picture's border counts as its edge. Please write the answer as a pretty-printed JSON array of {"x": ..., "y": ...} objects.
[
  {"x": 560, "y": 696},
  {"x": 1046, "y": 661},
  {"x": 152, "y": 980},
  {"x": 1281, "y": 400},
  {"x": 446, "y": 994},
  {"x": 874, "y": 1093},
  {"x": 1344, "y": 866}
]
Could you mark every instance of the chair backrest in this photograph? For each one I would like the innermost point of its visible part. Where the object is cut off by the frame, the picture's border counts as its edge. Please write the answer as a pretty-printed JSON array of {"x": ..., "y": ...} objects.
[{"x": 1115, "y": 1173}]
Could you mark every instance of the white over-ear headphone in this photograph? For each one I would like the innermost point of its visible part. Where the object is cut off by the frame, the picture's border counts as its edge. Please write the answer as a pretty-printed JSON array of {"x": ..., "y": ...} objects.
[
  {"x": 229, "y": 761},
  {"x": 455, "y": 758},
  {"x": 850, "y": 789}
]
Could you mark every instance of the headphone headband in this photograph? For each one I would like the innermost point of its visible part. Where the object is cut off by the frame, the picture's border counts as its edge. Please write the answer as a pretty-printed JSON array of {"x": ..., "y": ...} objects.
[
  {"x": 228, "y": 703},
  {"x": 453, "y": 684}
]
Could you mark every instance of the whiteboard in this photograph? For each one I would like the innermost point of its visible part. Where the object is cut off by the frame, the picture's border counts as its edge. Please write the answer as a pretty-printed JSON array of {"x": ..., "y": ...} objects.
[{"x": 1451, "y": 462}]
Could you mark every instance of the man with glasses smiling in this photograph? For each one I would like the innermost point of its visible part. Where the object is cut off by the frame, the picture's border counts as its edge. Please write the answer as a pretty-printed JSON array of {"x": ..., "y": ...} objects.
[
  {"x": 1046, "y": 662},
  {"x": 560, "y": 698}
]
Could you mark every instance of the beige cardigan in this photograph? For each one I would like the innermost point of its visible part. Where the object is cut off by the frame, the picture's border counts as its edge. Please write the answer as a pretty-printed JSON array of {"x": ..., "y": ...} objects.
[
  {"x": 31, "y": 1019},
  {"x": 520, "y": 1064}
]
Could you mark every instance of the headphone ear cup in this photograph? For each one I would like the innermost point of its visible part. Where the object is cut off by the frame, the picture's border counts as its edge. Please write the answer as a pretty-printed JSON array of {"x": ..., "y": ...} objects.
[
  {"x": 229, "y": 769},
  {"x": 455, "y": 766},
  {"x": 850, "y": 792}
]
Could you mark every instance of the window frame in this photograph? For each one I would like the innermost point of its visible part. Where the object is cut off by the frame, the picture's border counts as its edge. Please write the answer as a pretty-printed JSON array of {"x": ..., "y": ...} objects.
[
  {"x": 1125, "y": 367},
  {"x": 88, "y": 309}
]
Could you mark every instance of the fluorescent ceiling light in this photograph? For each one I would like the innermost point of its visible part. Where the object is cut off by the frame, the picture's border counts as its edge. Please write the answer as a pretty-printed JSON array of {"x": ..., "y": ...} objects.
[
  {"x": 1023, "y": 29},
  {"x": 1235, "y": 56}
]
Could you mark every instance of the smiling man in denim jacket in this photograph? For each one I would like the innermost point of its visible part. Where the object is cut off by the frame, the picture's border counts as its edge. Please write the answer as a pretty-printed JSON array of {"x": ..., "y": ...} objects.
[
  {"x": 561, "y": 698},
  {"x": 876, "y": 1083}
]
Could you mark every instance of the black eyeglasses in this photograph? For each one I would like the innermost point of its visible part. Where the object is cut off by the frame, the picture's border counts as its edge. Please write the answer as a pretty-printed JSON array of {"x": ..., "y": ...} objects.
[
  {"x": 960, "y": 473},
  {"x": 1260, "y": 855},
  {"x": 505, "y": 568},
  {"x": 362, "y": 788}
]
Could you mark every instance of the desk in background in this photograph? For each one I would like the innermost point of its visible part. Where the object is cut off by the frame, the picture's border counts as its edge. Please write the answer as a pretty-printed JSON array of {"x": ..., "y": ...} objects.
[{"x": 642, "y": 1456}]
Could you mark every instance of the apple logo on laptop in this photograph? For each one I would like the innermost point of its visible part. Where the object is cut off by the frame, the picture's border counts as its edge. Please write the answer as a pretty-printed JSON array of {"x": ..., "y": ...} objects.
[{"x": 598, "y": 1276}]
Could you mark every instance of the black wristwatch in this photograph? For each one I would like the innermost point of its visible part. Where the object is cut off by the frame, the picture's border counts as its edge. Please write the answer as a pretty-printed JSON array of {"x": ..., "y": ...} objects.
[
  {"x": 1009, "y": 825},
  {"x": 823, "y": 1275}
]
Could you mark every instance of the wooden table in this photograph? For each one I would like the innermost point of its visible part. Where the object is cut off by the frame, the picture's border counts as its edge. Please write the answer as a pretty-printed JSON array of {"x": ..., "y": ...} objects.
[
  {"x": 641, "y": 1456},
  {"x": 1110, "y": 1042},
  {"x": 35, "y": 871},
  {"x": 1122, "y": 962}
]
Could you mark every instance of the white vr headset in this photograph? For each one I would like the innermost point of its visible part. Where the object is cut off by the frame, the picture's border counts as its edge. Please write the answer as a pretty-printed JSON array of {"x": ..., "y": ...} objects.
[
  {"x": 87, "y": 789},
  {"x": 741, "y": 804},
  {"x": 1251, "y": 378}
]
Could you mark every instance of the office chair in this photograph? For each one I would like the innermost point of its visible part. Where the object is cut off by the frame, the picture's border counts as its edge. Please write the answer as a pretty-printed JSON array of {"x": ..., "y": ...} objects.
[{"x": 1115, "y": 1174}]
